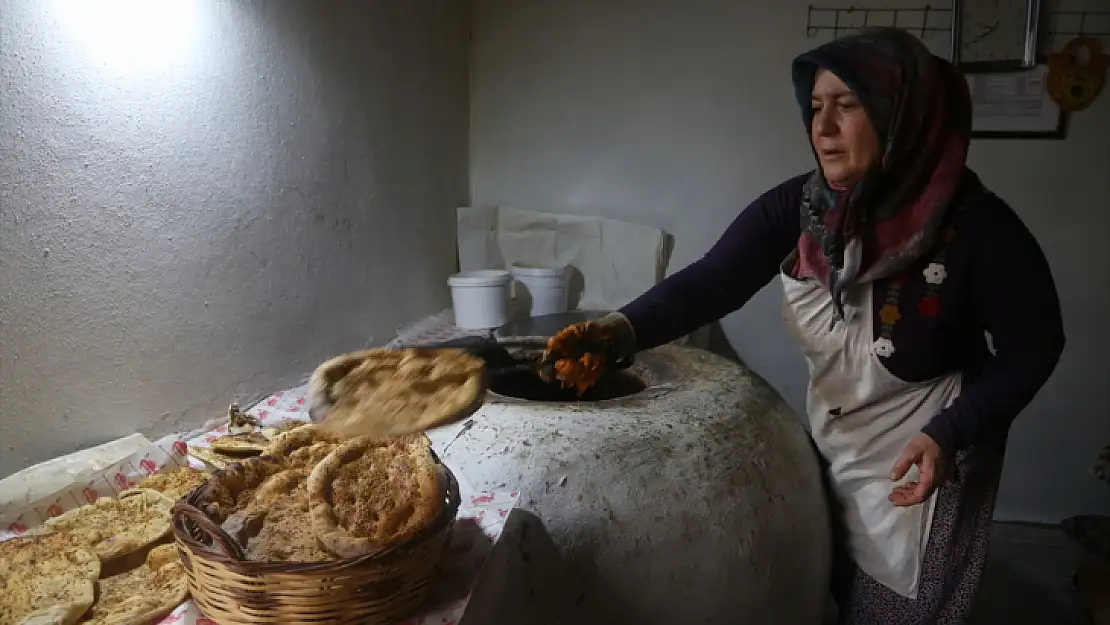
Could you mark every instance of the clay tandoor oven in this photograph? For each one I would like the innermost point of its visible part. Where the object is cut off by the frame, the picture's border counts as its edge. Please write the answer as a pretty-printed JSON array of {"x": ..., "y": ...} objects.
[{"x": 683, "y": 490}]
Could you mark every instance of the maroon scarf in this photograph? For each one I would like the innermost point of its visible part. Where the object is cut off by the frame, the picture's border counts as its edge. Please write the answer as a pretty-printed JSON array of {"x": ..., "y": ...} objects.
[{"x": 920, "y": 108}]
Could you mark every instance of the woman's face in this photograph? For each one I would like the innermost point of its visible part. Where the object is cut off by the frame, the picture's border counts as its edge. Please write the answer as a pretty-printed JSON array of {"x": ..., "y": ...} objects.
[{"x": 842, "y": 136}]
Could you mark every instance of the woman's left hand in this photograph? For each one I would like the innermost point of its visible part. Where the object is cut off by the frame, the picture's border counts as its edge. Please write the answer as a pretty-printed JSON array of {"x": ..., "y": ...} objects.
[{"x": 931, "y": 465}]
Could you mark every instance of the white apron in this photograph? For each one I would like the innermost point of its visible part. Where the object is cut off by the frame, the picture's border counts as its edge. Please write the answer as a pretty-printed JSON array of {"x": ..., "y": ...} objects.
[{"x": 861, "y": 418}]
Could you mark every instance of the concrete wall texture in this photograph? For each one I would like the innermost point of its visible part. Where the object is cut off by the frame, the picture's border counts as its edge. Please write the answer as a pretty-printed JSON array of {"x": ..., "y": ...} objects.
[{"x": 202, "y": 200}]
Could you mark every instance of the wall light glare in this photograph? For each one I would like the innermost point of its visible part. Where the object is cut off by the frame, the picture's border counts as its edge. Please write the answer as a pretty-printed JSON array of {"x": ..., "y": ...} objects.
[{"x": 132, "y": 35}]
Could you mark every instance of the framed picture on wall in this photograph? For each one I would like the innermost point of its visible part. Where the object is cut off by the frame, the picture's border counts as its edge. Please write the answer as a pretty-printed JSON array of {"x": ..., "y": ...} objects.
[
  {"x": 1015, "y": 105},
  {"x": 995, "y": 35}
]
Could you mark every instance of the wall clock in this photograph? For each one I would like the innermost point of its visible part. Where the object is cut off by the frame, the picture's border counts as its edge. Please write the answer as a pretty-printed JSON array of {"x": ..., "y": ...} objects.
[{"x": 995, "y": 35}]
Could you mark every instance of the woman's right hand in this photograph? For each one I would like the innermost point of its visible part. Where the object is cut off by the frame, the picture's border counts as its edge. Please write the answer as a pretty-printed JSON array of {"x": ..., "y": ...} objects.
[{"x": 577, "y": 355}]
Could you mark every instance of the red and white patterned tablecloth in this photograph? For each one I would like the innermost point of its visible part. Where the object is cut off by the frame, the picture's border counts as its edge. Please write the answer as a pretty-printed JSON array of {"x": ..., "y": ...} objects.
[{"x": 478, "y": 526}]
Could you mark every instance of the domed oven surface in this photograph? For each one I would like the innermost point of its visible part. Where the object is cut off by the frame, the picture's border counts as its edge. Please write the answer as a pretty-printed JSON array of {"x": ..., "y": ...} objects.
[{"x": 683, "y": 490}]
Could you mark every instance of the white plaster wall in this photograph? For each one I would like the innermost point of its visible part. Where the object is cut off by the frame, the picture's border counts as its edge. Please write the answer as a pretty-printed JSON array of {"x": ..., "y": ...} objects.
[
  {"x": 201, "y": 202},
  {"x": 677, "y": 113}
]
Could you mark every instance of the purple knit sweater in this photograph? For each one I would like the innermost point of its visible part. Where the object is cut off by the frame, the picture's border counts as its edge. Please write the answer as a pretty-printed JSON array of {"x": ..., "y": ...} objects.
[{"x": 997, "y": 280}]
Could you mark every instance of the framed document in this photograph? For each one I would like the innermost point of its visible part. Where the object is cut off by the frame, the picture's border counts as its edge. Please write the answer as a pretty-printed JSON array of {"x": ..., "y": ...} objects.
[{"x": 1015, "y": 105}]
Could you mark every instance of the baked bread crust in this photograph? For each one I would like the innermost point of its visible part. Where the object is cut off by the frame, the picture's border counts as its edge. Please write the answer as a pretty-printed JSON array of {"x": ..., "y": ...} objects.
[
  {"x": 281, "y": 427},
  {"x": 262, "y": 504},
  {"x": 303, "y": 447},
  {"x": 144, "y": 594},
  {"x": 46, "y": 580},
  {"x": 209, "y": 458},
  {"x": 388, "y": 393},
  {"x": 118, "y": 527},
  {"x": 282, "y": 535},
  {"x": 369, "y": 495},
  {"x": 175, "y": 483},
  {"x": 231, "y": 488},
  {"x": 245, "y": 443},
  {"x": 285, "y": 444}
]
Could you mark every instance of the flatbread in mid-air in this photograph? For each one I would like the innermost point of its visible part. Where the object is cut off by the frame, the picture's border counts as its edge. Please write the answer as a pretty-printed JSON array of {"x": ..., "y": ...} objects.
[{"x": 390, "y": 393}]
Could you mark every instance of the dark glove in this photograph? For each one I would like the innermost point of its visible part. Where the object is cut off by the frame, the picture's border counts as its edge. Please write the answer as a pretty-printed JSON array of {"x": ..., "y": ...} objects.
[{"x": 578, "y": 354}]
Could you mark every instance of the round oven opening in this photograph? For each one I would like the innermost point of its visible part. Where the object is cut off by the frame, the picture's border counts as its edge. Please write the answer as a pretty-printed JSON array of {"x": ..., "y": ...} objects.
[{"x": 525, "y": 385}]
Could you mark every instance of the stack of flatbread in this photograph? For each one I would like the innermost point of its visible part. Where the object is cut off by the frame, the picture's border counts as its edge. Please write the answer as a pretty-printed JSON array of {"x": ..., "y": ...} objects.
[
  {"x": 105, "y": 563},
  {"x": 175, "y": 483},
  {"x": 46, "y": 579},
  {"x": 112, "y": 561},
  {"x": 364, "y": 478},
  {"x": 314, "y": 497},
  {"x": 246, "y": 438},
  {"x": 362, "y": 482}
]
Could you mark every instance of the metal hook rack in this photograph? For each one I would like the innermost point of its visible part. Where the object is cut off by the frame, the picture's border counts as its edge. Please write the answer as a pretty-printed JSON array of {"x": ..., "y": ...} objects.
[
  {"x": 843, "y": 20},
  {"x": 1086, "y": 23},
  {"x": 852, "y": 18}
]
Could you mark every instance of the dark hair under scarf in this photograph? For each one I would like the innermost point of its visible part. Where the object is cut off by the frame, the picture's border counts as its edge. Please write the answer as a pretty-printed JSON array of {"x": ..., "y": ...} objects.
[{"x": 920, "y": 108}]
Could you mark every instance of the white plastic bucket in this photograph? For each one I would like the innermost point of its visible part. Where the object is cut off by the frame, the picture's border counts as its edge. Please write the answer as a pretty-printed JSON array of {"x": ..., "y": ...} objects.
[
  {"x": 541, "y": 290},
  {"x": 480, "y": 298}
]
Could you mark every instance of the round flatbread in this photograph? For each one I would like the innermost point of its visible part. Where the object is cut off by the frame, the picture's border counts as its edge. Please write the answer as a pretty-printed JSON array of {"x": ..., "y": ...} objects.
[
  {"x": 209, "y": 458},
  {"x": 46, "y": 580},
  {"x": 271, "y": 432},
  {"x": 175, "y": 483},
  {"x": 262, "y": 503},
  {"x": 389, "y": 393},
  {"x": 118, "y": 527},
  {"x": 247, "y": 443},
  {"x": 369, "y": 495},
  {"x": 280, "y": 506},
  {"x": 303, "y": 447},
  {"x": 144, "y": 594},
  {"x": 233, "y": 488},
  {"x": 289, "y": 442}
]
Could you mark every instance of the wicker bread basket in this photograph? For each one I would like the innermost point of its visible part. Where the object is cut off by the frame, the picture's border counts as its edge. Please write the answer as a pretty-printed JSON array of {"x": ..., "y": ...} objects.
[{"x": 380, "y": 588}]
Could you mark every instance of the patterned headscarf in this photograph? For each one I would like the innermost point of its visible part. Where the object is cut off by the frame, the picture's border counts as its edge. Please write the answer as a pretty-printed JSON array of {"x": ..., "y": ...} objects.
[{"x": 920, "y": 108}]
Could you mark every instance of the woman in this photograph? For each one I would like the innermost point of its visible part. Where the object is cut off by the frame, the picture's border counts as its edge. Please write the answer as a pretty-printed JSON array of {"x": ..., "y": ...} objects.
[{"x": 895, "y": 260}]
